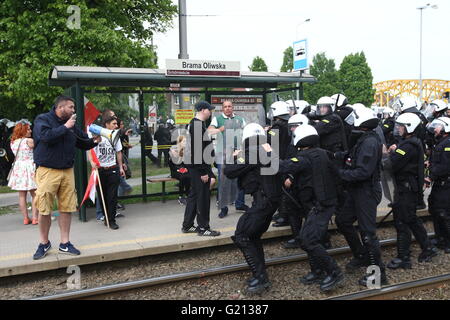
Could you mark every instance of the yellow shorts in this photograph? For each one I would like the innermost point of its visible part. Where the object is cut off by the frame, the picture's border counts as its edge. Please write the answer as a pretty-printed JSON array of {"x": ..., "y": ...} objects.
[{"x": 55, "y": 182}]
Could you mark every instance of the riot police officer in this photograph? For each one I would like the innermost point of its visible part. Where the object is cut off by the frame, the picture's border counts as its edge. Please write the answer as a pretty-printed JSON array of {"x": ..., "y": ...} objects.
[
  {"x": 279, "y": 132},
  {"x": 311, "y": 172},
  {"x": 266, "y": 190},
  {"x": 362, "y": 177},
  {"x": 387, "y": 126},
  {"x": 343, "y": 109},
  {"x": 436, "y": 109},
  {"x": 295, "y": 212},
  {"x": 407, "y": 164},
  {"x": 438, "y": 201}
]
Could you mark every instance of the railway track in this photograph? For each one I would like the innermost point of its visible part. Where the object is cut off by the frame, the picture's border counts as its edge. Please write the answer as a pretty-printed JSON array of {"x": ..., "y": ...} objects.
[
  {"x": 397, "y": 290},
  {"x": 114, "y": 289}
]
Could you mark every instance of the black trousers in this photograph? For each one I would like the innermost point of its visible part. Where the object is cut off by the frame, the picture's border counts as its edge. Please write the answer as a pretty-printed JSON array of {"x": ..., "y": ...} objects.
[
  {"x": 439, "y": 208},
  {"x": 256, "y": 220},
  {"x": 311, "y": 235},
  {"x": 406, "y": 221},
  {"x": 361, "y": 205},
  {"x": 198, "y": 202},
  {"x": 110, "y": 180},
  {"x": 166, "y": 156}
]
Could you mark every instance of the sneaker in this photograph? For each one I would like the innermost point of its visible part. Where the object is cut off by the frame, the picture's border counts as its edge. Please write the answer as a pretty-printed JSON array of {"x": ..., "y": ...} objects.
[
  {"x": 120, "y": 206},
  {"x": 42, "y": 251},
  {"x": 101, "y": 219},
  {"x": 119, "y": 215},
  {"x": 190, "y": 230},
  {"x": 182, "y": 201},
  {"x": 68, "y": 248},
  {"x": 208, "y": 233},
  {"x": 113, "y": 225},
  {"x": 223, "y": 212}
]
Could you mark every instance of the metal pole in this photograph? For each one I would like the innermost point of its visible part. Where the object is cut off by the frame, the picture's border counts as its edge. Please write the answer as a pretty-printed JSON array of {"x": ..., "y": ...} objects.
[
  {"x": 420, "y": 72},
  {"x": 182, "y": 29}
]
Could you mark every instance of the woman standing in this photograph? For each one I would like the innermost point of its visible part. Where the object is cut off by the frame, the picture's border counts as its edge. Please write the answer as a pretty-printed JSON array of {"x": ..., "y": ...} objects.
[{"x": 23, "y": 169}]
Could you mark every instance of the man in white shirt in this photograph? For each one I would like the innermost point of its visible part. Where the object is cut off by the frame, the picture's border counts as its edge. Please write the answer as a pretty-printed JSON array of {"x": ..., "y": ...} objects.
[{"x": 110, "y": 170}]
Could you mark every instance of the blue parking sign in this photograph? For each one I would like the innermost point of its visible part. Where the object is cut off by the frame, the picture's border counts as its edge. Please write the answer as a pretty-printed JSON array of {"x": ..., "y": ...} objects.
[{"x": 300, "y": 55}]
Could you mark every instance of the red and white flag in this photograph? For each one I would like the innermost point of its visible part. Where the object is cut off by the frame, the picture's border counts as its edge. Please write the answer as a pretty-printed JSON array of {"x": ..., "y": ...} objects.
[
  {"x": 93, "y": 180},
  {"x": 90, "y": 112}
]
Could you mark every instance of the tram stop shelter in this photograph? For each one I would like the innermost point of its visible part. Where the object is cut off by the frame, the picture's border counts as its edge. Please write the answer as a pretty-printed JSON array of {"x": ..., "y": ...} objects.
[{"x": 78, "y": 80}]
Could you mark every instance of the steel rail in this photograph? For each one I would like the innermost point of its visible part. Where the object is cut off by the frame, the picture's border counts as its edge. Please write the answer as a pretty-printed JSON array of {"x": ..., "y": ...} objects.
[
  {"x": 137, "y": 284},
  {"x": 396, "y": 290}
]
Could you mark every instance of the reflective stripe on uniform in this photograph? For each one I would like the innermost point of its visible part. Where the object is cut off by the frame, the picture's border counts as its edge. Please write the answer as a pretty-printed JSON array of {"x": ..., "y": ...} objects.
[{"x": 400, "y": 152}]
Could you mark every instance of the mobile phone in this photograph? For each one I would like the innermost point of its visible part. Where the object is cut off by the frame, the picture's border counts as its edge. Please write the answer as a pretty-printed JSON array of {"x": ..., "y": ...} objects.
[{"x": 74, "y": 116}]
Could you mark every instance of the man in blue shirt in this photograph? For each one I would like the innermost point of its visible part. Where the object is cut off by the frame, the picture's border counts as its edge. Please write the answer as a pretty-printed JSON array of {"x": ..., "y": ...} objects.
[{"x": 56, "y": 138}]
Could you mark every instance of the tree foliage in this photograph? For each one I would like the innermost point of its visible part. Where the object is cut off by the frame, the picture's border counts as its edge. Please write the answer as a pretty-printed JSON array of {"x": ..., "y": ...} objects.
[
  {"x": 324, "y": 70},
  {"x": 288, "y": 60},
  {"x": 258, "y": 64},
  {"x": 35, "y": 36},
  {"x": 356, "y": 79}
]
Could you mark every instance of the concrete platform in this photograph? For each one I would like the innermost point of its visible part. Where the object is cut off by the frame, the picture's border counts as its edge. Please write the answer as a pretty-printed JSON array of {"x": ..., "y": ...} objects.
[{"x": 146, "y": 229}]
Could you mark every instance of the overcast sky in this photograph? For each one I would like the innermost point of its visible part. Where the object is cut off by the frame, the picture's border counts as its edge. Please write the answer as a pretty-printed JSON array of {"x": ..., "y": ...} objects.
[{"x": 386, "y": 30}]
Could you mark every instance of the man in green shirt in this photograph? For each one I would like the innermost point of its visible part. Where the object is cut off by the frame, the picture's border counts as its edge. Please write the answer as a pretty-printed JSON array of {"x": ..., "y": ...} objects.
[{"x": 220, "y": 125}]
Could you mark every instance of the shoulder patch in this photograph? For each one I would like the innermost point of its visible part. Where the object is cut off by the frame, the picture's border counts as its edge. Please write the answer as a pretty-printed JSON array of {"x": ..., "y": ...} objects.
[
  {"x": 326, "y": 121},
  {"x": 387, "y": 126},
  {"x": 400, "y": 151},
  {"x": 447, "y": 149},
  {"x": 241, "y": 160},
  {"x": 294, "y": 160},
  {"x": 271, "y": 133}
]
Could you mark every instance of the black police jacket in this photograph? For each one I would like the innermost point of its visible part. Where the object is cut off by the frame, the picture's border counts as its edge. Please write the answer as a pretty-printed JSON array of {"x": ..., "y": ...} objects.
[
  {"x": 363, "y": 162},
  {"x": 332, "y": 133},
  {"x": 280, "y": 130},
  {"x": 407, "y": 163},
  {"x": 440, "y": 160}
]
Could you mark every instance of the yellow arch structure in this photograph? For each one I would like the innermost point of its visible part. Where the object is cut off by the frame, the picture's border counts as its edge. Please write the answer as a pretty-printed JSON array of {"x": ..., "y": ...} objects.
[{"x": 388, "y": 91}]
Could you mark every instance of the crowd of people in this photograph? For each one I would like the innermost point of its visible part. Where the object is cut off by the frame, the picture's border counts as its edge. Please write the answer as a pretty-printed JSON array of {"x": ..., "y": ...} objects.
[{"x": 302, "y": 165}]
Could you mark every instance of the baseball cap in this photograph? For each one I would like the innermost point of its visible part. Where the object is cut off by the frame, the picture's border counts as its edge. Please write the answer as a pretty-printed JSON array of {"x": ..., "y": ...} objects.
[{"x": 203, "y": 105}]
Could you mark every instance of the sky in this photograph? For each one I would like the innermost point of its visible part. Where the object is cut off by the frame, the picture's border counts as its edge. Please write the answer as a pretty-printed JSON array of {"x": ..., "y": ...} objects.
[{"x": 388, "y": 31}]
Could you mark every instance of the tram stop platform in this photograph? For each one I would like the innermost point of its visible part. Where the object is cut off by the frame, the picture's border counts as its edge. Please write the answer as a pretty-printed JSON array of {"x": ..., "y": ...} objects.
[{"x": 147, "y": 228}]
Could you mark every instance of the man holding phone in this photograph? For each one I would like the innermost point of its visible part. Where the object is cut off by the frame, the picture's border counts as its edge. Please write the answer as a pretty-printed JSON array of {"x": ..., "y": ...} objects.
[{"x": 56, "y": 138}]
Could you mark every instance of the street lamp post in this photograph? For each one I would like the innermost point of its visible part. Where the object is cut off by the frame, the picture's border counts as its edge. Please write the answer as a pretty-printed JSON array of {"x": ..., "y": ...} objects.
[{"x": 421, "y": 23}]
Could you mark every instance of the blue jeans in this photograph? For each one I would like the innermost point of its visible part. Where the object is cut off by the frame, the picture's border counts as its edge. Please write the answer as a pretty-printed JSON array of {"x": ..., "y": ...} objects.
[
  {"x": 98, "y": 207},
  {"x": 124, "y": 187}
]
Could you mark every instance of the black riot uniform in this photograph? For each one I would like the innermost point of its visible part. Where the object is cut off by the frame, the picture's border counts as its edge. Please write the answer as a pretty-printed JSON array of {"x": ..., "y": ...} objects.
[
  {"x": 266, "y": 192},
  {"x": 343, "y": 112},
  {"x": 388, "y": 130},
  {"x": 407, "y": 163},
  {"x": 280, "y": 131},
  {"x": 439, "y": 200},
  {"x": 362, "y": 177},
  {"x": 332, "y": 133},
  {"x": 311, "y": 173}
]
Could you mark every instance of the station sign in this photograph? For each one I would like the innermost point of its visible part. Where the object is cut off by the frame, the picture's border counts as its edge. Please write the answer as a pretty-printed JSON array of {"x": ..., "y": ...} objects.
[
  {"x": 300, "y": 55},
  {"x": 202, "y": 68},
  {"x": 184, "y": 116}
]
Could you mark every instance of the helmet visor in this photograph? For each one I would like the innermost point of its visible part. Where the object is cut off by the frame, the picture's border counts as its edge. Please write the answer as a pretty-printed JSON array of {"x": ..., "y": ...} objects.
[
  {"x": 436, "y": 126},
  {"x": 350, "y": 120}
]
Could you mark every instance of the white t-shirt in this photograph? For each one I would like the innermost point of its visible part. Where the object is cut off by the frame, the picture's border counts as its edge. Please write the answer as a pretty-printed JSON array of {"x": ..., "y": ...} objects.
[{"x": 105, "y": 152}]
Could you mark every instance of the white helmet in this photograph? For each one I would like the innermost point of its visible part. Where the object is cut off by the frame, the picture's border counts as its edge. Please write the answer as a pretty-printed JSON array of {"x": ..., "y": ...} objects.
[
  {"x": 280, "y": 109},
  {"x": 439, "y": 105},
  {"x": 170, "y": 121},
  {"x": 340, "y": 100},
  {"x": 442, "y": 122},
  {"x": 251, "y": 130},
  {"x": 326, "y": 101},
  {"x": 409, "y": 120},
  {"x": 364, "y": 117},
  {"x": 299, "y": 105},
  {"x": 405, "y": 103},
  {"x": 389, "y": 111},
  {"x": 298, "y": 120},
  {"x": 305, "y": 136}
]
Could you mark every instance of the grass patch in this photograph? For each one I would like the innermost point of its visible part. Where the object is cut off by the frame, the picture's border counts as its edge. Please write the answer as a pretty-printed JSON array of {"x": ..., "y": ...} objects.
[
  {"x": 9, "y": 210},
  {"x": 6, "y": 189}
]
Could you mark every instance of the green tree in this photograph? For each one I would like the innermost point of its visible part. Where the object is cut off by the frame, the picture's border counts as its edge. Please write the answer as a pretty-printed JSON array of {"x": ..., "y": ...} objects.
[
  {"x": 356, "y": 80},
  {"x": 35, "y": 36},
  {"x": 258, "y": 64},
  {"x": 324, "y": 70},
  {"x": 288, "y": 60}
]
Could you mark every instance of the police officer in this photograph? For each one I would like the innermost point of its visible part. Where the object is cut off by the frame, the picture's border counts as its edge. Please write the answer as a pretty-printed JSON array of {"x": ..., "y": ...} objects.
[
  {"x": 362, "y": 177},
  {"x": 343, "y": 109},
  {"x": 410, "y": 104},
  {"x": 280, "y": 133},
  {"x": 295, "y": 212},
  {"x": 299, "y": 107},
  {"x": 436, "y": 109},
  {"x": 407, "y": 163},
  {"x": 438, "y": 201},
  {"x": 387, "y": 126},
  {"x": 266, "y": 191},
  {"x": 312, "y": 173}
]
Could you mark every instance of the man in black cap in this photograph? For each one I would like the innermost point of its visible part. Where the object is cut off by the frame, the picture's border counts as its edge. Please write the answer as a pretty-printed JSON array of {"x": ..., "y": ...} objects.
[{"x": 198, "y": 157}]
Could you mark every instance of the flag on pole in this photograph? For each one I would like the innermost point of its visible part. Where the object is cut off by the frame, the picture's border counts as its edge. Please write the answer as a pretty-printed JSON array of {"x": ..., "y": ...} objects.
[
  {"x": 90, "y": 112},
  {"x": 93, "y": 180}
]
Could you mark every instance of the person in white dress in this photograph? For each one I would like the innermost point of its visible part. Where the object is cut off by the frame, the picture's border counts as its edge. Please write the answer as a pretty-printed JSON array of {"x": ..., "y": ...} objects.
[{"x": 22, "y": 177}]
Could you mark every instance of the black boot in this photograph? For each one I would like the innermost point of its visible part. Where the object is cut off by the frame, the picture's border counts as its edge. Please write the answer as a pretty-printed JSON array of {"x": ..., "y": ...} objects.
[
  {"x": 317, "y": 273},
  {"x": 357, "y": 262},
  {"x": 403, "y": 253},
  {"x": 332, "y": 280},
  {"x": 373, "y": 251},
  {"x": 296, "y": 226},
  {"x": 427, "y": 254}
]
